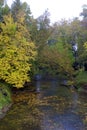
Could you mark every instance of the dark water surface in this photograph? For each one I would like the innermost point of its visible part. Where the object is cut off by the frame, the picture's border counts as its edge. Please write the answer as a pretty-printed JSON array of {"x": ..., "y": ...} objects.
[{"x": 52, "y": 107}]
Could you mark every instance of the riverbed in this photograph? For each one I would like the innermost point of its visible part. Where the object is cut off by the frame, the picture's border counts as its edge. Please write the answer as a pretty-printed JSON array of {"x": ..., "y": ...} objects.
[{"x": 51, "y": 107}]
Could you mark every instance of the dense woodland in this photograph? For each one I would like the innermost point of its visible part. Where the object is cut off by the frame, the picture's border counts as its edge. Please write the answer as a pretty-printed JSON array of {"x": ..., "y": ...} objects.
[{"x": 30, "y": 46}]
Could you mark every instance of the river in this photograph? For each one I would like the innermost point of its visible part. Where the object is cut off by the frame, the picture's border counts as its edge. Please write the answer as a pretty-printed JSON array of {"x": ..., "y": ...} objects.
[{"x": 51, "y": 107}]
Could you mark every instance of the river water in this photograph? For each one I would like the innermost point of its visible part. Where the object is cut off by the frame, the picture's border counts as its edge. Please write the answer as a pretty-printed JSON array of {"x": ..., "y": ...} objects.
[{"x": 51, "y": 107}]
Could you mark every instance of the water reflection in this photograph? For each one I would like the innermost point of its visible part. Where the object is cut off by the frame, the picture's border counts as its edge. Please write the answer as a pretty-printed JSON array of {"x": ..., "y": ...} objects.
[
  {"x": 38, "y": 86},
  {"x": 68, "y": 118},
  {"x": 74, "y": 101},
  {"x": 65, "y": 121},
  {"x": 51, "y": 107}
]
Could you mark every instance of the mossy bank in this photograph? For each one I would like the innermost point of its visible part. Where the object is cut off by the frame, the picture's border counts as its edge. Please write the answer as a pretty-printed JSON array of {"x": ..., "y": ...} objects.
[{"x": 5, "y": 99}]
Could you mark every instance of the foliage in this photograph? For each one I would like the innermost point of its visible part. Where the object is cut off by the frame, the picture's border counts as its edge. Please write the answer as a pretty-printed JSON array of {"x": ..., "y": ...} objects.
[
  {"x": 15, "y": 8},
  {"x": 42, "y": 31},
  {"x": 85, "y": 45},
  {"x": 81, "y": 78},
  {"x": 55, "y": 59},
  {"x": 16, "y": 52},
  {"x": 52, "y": 59},
  {"x": 83, "y": 55},
  {"x": 84, "y": 14},
  {"x": 1, "y": 2},
  {"x": 5, "y": 95},
  {"x": 5, "y": 10},
  {"x": 43, "y": 20}
]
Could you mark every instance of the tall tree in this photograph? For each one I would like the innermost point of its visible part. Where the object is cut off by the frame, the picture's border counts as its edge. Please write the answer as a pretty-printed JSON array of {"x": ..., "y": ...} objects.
[
  {"x": 1, "y": 12},
  {"x": 56, "y": 58},
  {"x": 15, "y": 8},
  {"x": 84, "y": 15},
  {"x": 16, "y": 52},
  {"x": 43, "y": 30},
  {"x": 1, "y": 2},
  {"x": 40, "y": 33}
]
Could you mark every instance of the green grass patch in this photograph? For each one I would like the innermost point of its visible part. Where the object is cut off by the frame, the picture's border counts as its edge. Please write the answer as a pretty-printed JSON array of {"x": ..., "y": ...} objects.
[
  {"x": 5, "y": 95},
  {"x": 81, "y": 78}
]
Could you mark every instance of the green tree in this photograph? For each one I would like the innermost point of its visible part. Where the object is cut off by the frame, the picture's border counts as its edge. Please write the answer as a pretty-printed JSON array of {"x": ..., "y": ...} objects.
[
  {"x": 43, "y": 30},
  {"x": 1, "y": 2},
  {"x": 84, "y": 15},
  {"x": 15, "y": 8},
  {"x": 83, "y": 56},
  {"x": 55, "y": 59},
  {"x": 82, "y": 36},
  {"x": 40, "y": 33},
  {"x": 16, "y": 52},
  {"x": 84, "y": 12},
  {"x": 5, "y": 10}
]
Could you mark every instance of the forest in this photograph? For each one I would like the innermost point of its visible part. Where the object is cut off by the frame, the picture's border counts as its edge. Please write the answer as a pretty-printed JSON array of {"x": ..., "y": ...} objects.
[
  {"x": 33, "y": 49},
  {"x": 31, "y": 46}
]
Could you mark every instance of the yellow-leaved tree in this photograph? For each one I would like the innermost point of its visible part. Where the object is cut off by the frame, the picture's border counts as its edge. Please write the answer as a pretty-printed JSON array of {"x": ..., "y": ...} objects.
[
  {"x": 85, "y": 45},
  {"x": 16, "y": 51}
]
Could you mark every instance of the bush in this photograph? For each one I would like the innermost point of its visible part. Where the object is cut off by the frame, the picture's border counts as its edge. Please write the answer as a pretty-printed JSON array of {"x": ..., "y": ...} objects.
[
  {"x": 5, "y": 95},
  {"x": 81, "y": 78}
]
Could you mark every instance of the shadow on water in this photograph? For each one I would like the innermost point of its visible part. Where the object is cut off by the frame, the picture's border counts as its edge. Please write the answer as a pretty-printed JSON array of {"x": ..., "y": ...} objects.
[{"x": 51, "y": 107}]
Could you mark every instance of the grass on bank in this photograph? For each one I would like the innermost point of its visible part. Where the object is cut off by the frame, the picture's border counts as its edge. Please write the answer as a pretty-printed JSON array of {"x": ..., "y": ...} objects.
[
  {"x": 81, "y": 79},
  {"x": 5, "y": 95}
]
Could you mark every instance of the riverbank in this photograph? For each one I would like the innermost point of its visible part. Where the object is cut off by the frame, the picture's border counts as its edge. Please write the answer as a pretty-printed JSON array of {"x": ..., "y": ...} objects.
[
  {"x": 81, "y": 81},
  {"x": 5, "y": 99}
]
